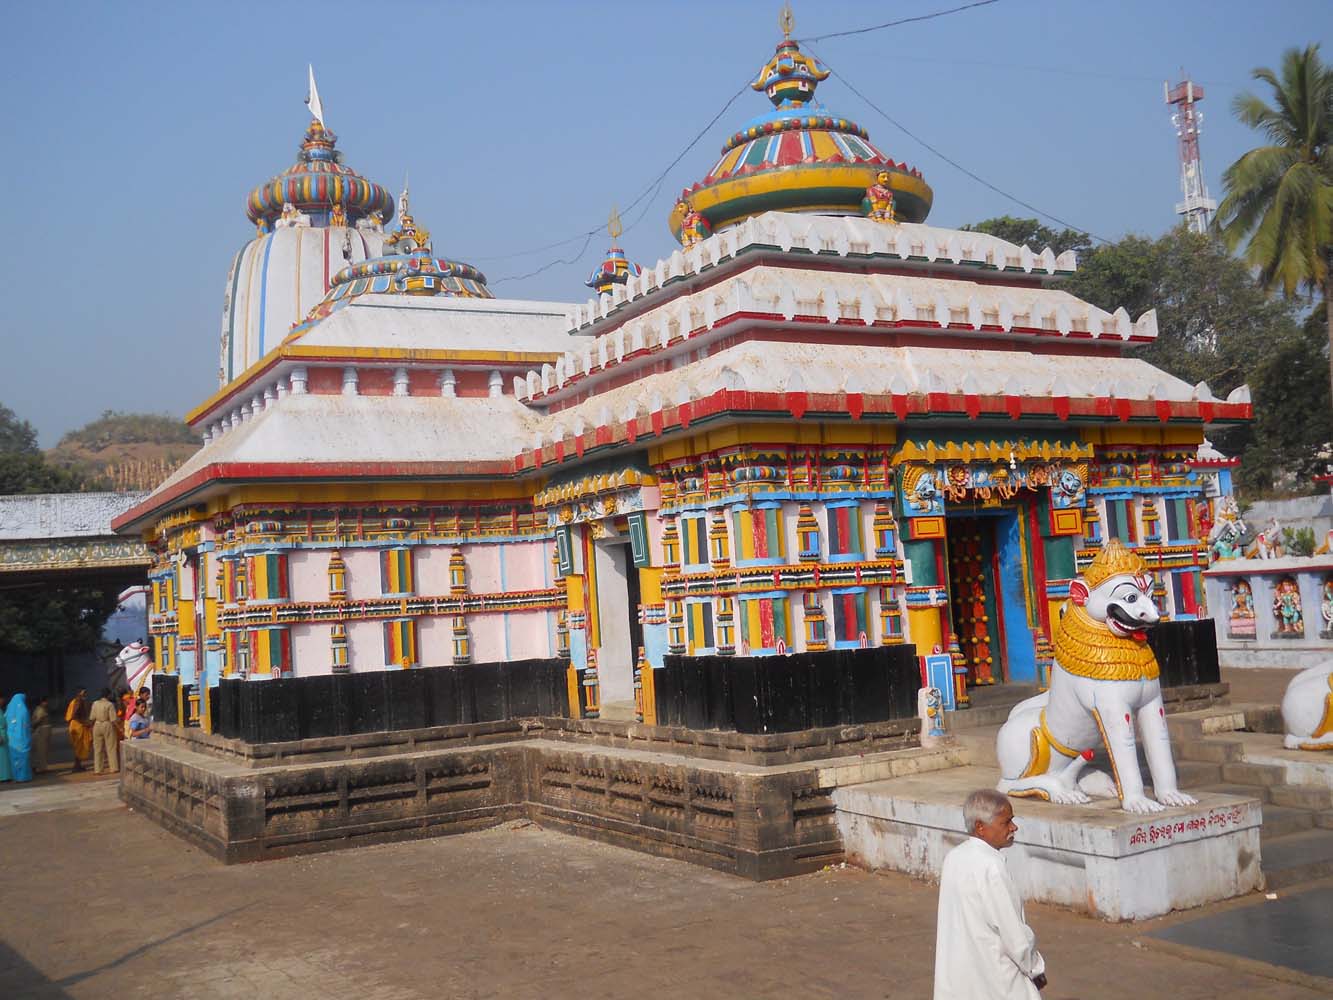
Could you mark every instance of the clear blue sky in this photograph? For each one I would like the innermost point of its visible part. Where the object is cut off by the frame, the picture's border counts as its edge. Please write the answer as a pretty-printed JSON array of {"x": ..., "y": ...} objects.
[{"x": 132, "y": 133}]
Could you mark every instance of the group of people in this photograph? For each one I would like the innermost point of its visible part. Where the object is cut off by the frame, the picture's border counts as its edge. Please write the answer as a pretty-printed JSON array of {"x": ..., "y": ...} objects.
[{"x": 94, "y": 731}]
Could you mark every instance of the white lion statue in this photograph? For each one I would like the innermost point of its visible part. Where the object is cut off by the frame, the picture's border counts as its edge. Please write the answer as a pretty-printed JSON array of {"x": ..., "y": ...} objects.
[
  {"x": 1307, "y": 710},
  {"x": 136, "y": 660},
  {"x": 1103, "y": 680}
]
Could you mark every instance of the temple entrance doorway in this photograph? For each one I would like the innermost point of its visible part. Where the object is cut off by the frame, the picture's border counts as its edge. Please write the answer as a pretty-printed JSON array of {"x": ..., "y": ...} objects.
[
  {"x": 619, "y": 629},
  {"x": 989, "y": 573}
]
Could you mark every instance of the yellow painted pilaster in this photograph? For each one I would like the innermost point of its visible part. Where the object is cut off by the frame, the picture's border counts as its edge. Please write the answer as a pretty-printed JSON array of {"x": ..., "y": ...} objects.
[
  {"x": 923, "y": 629},
  {"x": 650, "y": 585}
]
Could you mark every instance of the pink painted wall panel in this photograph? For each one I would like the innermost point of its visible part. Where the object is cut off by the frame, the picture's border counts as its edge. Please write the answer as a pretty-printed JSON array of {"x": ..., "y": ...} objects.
[
  {"x": 308, "y": 574},
  {"x": 433, "y": 569},
  {"x": 483, "y": 568},
  {"x": 365, "y": 641},
  {"x": 363, "y": 574},
  {"x": 311, "y": 651},
  {"x": 487, "y": 638},
  {"x": 530, "y": 635},
  {"x": 436, "y": 640}
]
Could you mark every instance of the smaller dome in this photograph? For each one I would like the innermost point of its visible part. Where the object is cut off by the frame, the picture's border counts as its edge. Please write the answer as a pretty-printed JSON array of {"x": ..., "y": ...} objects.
[
  {"x": 408, "y": 266},
  {"x": 320, "y": 187},
  {"x": 615, "y": 268}
]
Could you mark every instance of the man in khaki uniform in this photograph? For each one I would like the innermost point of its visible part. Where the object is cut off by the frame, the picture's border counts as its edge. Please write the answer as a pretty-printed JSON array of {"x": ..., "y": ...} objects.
[{"x": 103, "y": 716}]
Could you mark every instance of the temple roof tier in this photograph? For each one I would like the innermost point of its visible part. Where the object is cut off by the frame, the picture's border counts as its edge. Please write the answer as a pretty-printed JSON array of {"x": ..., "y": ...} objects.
[{"x": 967, "y": 254}]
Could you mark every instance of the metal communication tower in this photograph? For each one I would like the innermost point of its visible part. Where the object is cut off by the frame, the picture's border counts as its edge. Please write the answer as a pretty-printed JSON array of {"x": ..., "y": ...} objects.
[{"x": 1197, "y": 206}]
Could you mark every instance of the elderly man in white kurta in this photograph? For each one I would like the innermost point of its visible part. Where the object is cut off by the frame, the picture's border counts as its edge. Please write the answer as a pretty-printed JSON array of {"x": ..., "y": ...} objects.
[{"x": 984, "y": 949}]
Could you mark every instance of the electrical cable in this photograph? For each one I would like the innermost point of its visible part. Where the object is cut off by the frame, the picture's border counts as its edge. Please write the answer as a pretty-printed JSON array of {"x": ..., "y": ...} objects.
[
  {"x": 950, "y": 160},
  {"x": 646, "y": 196},
  {"x": 900, "y": 21}
]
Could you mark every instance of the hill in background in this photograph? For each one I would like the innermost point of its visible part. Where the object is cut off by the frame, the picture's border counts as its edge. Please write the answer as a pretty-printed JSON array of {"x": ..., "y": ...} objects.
[{"x": 126, "y": 451}]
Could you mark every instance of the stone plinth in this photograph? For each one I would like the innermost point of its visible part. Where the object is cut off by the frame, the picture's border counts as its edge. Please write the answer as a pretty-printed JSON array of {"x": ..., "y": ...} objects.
[
  {"x": 246, "y": 803},
  {"x": 1094, "y": 858}
]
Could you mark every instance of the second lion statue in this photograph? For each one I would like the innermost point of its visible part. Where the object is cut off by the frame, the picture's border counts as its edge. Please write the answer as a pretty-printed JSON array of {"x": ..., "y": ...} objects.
[{"x": 1104, "y": 680}]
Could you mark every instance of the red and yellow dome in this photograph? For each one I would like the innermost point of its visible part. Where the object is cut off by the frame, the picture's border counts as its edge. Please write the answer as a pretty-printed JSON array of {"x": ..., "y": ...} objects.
[{"x": 798, "y": 157}]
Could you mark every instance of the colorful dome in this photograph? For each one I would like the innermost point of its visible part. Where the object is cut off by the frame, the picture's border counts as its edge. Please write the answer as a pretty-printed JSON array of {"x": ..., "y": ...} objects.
[
  {"x": 319, "y": 186},
  {"x": 408, "y": 266},
  {"x": 615, "y": 268},
  {"x": 798, "y": 157}
]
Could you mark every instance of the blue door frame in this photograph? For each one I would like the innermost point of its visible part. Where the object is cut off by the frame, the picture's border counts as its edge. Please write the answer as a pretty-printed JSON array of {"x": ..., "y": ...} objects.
[{"x": 1019, "y": 665}]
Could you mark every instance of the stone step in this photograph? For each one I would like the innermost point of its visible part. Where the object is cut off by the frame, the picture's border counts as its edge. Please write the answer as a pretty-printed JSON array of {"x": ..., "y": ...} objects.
[
  {"x": 1324, "y": 819},
  {"x": 1240, "y": 773},
  {"x": 1312, "y": 797},
  {"x": 1194, "y": 773},
  {"x": 1260, "y": 792},
  {"x": 1280, "y": 821},
  {"x": 1205, "y": 722},
  {"x": 1297, "y": 858},
  {"x": 1264, "y": 719},
  {"x": 1216, "y": 750}
]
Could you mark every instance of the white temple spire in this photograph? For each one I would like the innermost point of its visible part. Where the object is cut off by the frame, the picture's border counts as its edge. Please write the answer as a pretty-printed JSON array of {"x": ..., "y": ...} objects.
[{"x": 312, "y": 99}]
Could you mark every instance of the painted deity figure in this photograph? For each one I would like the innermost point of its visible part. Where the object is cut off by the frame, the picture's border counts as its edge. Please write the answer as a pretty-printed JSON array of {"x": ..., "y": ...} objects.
[
  {"x": 922, "y": 492},
  {"x": 1326, "y": 610},
  {"x": 1224, "y": 540},
  {"x": 1287, "y": 609},
  {"x": 930, "y": 707},
  {"x": 291, "y": 218},
  {"x": 338, "y": 215},
  {"x": 877, "y": 205},
  {"x": 1242, "y": 623},
  {"x": 694, "y": 228}
]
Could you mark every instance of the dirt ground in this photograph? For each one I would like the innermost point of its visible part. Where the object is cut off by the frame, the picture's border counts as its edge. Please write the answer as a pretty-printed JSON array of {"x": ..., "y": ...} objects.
[{"x": 97, "y": 901}]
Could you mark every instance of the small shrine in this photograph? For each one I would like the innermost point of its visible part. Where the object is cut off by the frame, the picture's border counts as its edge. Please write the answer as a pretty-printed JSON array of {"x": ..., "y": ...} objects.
[{"x": 1273, "y": 606}]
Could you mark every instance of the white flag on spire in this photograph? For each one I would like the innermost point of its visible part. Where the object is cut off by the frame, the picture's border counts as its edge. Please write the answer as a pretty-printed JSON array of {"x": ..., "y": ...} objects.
[{"x": 312, "y": 99}]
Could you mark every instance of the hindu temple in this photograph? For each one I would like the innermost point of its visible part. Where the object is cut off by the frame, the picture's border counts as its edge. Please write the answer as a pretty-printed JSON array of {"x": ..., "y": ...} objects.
[{"x": 822, "y": 430}]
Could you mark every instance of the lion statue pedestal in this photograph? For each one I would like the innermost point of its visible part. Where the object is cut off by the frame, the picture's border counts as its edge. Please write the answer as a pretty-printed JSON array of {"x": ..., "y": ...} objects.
[{"x": 1104, "y": 686}]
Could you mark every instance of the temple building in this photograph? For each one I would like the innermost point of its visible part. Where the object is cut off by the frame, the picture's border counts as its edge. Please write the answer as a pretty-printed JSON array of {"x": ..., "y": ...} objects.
[{"x": 820, "y": 424}]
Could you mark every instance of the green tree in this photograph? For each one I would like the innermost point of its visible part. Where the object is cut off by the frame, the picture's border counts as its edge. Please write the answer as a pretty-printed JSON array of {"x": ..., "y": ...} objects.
[
  {"x": 114, "y": 427},
  {"x": 1279, "y": 197},
  {"x": 47, "y": 618},
  {"x": 16, "y": 435},
  {"x": 54, "y": 618},
  {"x": 1031, "y": 233},
  {"x": 1216, "y": 323}
]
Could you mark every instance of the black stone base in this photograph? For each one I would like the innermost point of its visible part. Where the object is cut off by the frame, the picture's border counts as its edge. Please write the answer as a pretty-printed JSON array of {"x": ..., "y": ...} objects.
[{"x": 241, "y": 802}]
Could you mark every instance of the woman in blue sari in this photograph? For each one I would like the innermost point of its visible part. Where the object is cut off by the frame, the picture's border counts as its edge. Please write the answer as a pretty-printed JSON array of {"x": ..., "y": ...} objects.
[
  {"x": 4, "y": 750},
  {"x": 18, "y": 733}
]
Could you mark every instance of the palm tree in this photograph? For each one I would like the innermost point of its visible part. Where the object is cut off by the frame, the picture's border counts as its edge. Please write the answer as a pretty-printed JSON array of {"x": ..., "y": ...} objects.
[{"x": 1280, "y": 196}]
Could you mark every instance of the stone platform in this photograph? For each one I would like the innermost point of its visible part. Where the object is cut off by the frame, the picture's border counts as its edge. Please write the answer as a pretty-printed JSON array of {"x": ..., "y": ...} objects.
[
  {"x": 1094, "y": 858},
  {"x": 649, "y": 788}
]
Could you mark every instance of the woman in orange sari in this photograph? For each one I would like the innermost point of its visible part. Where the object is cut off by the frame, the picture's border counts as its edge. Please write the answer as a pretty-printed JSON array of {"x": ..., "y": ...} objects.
[{"x": 80, "y": 732}]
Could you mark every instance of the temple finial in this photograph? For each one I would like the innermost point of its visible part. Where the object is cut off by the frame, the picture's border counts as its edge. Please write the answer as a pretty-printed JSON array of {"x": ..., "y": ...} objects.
[
  {"x": 613, "y": 226},
  {"x": 786, "y": 20},
  {"x": 312, "y": 98},
  {"x": 402, "y": 199}
]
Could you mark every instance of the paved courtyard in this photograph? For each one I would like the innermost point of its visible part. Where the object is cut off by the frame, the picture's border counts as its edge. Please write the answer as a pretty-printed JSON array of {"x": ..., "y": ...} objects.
[{"x": 97, "y": 901}]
